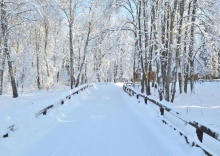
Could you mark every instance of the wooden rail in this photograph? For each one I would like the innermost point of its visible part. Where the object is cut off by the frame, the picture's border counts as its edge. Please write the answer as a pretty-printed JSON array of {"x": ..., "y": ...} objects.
[
  {"x": 44, "y": 111},
  {"x": 184, "y": 127},
  {"x": 9, "y": 129}
]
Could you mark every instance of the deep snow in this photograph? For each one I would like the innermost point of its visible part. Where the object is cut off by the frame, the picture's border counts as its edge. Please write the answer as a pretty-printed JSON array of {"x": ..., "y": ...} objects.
[
  {"x": 203, "y": 106},
  {"x": 101, "y": 121}
]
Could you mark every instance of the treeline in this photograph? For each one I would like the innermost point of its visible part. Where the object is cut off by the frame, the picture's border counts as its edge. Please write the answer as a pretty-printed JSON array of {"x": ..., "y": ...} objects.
[
  {"x": 48, "y": 43},
  {"x": 177, "y": 40},
  {"x": 59, "y": 42}
]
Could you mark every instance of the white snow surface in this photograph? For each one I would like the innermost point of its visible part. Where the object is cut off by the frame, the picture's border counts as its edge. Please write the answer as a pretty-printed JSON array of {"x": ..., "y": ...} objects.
[
  {"x": 202, "y": 107},
  {"x": 101, "y": 121}
]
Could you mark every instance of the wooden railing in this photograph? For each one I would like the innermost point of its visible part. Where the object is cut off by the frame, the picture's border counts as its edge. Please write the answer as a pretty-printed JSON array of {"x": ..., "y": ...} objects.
[
  {"x": 44, "y": 111},
  {"x": 207, "y": 139},
  {"x": 11, "y": 128}
]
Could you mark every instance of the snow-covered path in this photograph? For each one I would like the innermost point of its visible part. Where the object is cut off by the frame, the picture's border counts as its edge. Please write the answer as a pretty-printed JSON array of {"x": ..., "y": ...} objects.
[{"x": 109, "y": 123}]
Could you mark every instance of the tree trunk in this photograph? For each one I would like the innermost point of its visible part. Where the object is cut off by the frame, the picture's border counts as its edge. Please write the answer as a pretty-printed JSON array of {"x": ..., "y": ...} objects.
[
  {"x": 134, "y": 66},
  {"x": 191, "y": 47},
  {"x": 46, "y": 28},
  {"x": 140, "y": 48},
  {"x": 115, "y": 72},
  {"x": 145, "y": 45},
  {"x": 149, "y": 77},
  {"x": 38, "y": 72},
  {"x": 12, "y": 77},
  {"x": 178, "y": 63},
  {"x": 170, "y": 54},
  {"x": 4, "y": 39},
  {"x": 71, "y": 57},
  {"x": 84, "y": 55},
  {"x": 5, "y": 36},
  {"x": 2, "y": 66},
  {"x": 86, "y": 66},
  {"x": 186, "y": 64},
  {"x": 37, "y": 46},
  {"x": 177, "y": 70}
]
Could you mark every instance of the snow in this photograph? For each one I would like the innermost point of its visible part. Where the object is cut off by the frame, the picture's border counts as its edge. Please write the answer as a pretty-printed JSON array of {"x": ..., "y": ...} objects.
[
  {"x": 27, "y": 104},
  {"x": 102, "y": 120},
  {"x": 211, "y": 144},
  {"x": 203, "y": 106}
]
